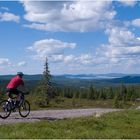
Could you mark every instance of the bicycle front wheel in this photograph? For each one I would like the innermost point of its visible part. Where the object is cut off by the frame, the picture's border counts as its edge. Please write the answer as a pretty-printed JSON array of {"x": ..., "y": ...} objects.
[
  {"x": 5, "y": 109},
  {"x": 24, "y": 109}
]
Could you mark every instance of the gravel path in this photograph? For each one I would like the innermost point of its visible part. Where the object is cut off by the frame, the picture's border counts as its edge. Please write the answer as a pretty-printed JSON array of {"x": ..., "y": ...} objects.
[{"x": 54, "y": 115}]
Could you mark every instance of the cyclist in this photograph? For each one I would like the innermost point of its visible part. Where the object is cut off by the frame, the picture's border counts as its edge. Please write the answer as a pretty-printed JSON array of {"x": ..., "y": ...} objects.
[{"x": 13, "y": 85}]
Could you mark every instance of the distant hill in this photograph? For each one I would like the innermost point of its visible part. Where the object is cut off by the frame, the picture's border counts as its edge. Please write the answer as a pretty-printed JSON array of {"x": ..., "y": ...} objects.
[
  {"x": 26, "y": 77},
  {"x": 78, "y": 76},
  {"x": 126, "y": 79},
  {"x": 95, "y": 76},
  {"x": 82, "y": 80}
]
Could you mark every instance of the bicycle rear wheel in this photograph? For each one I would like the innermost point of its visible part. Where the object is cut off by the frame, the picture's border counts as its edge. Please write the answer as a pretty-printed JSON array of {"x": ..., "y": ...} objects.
[
  {"x": 24, "y": 109},
  {"x": 5, "y": 109}
]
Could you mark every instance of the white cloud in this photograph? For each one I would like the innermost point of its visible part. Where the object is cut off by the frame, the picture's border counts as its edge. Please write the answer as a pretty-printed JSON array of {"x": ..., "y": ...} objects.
[
  {"x": 120, "y": 36},
  {"x": 60, "y": 58},
  {"x": 55, "y": 51},
  {"x": 123, "y": 47},
  {"x": 4, "y": 8},
  {"x": 128, "y": 2},
  {"x": 4, "y": 62},
  {"x": 68, "y": 16},
  {"x": 85, "y": 59},
  {"x": 6, "y": 16},
  {"x": 22, "y": 63},
  {"x": 49, "y": 47},
  {"x": 136, "y": 22},
  {"x": 6, "y": 66}
]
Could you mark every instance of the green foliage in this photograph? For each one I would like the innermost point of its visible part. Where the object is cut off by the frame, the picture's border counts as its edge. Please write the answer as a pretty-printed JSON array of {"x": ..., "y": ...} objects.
[
  {"x": 117, "y": 101},
  {"x": 83, "y": 93},
  {"x": 120, "y": 96},
  {"x": 39, "y": 93},
  {"x": 102, "y": 94},
  {"x": 46, "y": 74},
  {"x": 133, "y": 94},
  {"x": 116, "y": 125},
  {"x": 47, "y": 87},
  {"x": 92, "y": 93},
  {"x": 123, "y": 92},
  {"x": 77, "y": 94},
  {"x": 110, "y": 93},
  {"x": 2, "y": 94}
]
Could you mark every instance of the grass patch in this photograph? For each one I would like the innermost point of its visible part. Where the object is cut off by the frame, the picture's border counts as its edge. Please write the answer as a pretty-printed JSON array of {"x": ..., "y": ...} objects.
[
  {"x": 121, "y": 125},
  {"x": 68, "y": 103}
]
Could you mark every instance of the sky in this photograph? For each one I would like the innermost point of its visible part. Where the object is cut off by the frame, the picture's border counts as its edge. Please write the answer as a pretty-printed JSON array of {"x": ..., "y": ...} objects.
[{"x": 77, "y": 37}]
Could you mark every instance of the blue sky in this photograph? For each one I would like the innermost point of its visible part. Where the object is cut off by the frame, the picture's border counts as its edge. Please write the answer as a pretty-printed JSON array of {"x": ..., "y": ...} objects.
[{"x": 76, "y": 36}]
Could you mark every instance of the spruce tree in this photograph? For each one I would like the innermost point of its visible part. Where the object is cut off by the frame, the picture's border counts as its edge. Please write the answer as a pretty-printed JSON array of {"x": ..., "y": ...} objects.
[
  {"x": 102, "y": 94},
  {"x": 77, "y": 94},
  {"x": 111, "y": 93},
  {"x": 133, "y": 94},
  {"x": 116, "y": 101},
  {"x": 91, "y": 93},
  {"x": 123, "y": 92},
  {"x": 46, "y": 82}
]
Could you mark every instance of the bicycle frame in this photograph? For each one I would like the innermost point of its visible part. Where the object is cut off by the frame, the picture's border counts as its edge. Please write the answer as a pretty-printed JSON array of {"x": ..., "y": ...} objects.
[{"x": 23, "y": 106}]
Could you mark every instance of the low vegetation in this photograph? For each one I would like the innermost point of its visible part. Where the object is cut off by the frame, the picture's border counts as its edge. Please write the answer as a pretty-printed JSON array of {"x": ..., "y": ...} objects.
[
  {"x": 66, "y": 97},
  {"x": 121, "y": 125}
]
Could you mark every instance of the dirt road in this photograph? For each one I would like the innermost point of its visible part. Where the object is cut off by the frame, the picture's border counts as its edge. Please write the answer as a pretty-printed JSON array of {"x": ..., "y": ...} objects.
[{"x": 52, "y": 115}]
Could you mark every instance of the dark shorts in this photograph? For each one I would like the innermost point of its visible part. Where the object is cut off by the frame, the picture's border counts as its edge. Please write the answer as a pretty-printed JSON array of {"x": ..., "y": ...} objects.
[{"x": 12, "y": 91}]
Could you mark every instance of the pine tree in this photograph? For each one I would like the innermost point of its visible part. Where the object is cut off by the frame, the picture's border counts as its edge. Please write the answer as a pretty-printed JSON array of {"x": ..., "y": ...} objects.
[
  {"x": 116, "y": 101},
  {"x": 73, "y": 100},
  {"x": 77, "y": 94},
  {"x": 110, "y": 94},
  {"x": 123, "y": 92},
  {"x": 83, "y": 94},
  {"x": 129, "y": 93},
  {"x": 91, "y": 93},
  {"x": 102, "y": 94},
  {"x": 46, "y": 82},
  {"x": 133, "y": 94}
]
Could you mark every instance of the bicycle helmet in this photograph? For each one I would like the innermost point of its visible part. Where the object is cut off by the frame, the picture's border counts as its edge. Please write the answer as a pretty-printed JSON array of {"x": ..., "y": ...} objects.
[{"x": 20, "y": 73}]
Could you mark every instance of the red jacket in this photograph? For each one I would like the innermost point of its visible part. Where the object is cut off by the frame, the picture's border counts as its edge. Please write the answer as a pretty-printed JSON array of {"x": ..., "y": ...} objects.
[{"x": 15, "y": 82}]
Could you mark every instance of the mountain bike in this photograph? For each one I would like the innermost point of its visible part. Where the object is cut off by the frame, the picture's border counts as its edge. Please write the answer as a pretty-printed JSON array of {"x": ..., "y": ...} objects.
[{"x": 6, "y": 107}]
